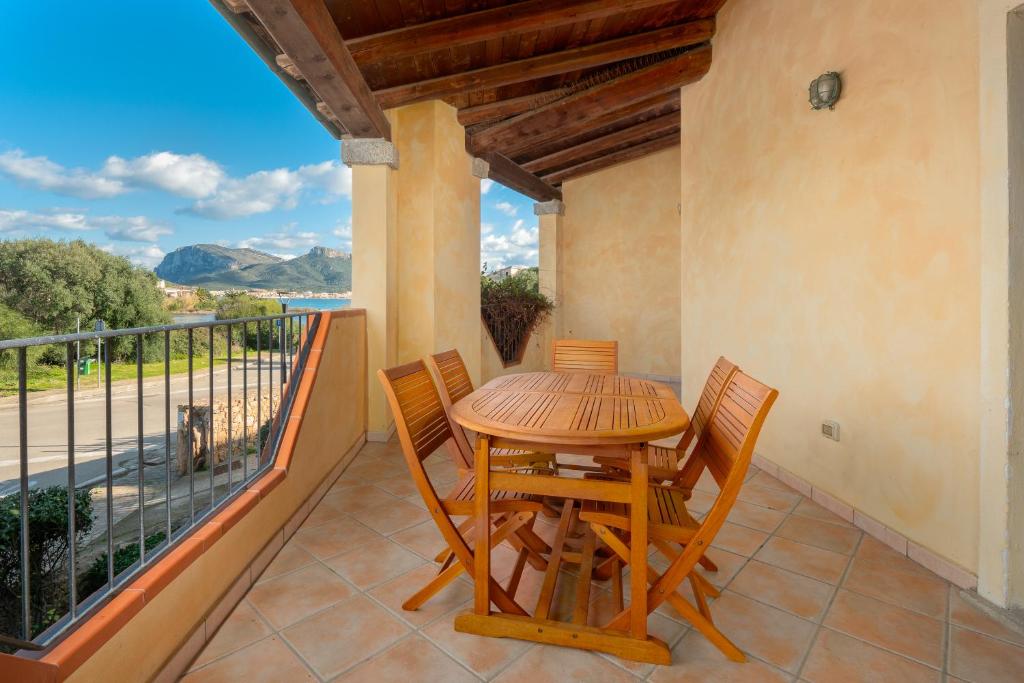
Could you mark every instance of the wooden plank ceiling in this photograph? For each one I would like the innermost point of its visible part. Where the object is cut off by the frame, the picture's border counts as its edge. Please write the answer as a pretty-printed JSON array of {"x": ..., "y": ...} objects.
[{"x": 547, "y": 89}]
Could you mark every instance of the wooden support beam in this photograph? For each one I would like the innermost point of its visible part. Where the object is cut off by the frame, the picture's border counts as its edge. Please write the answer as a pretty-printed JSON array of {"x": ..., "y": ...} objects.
[
  {"x": 498, "y": 22},
  {"x": 511, "y": 174},
  {"x": 306, "y": 32},
  {"x": 627, "y": 154},
  {"x": 551, "y": 64},
  {"x": 575, "y": 113},
  {"x": 501, "y": 109},
  {"x": 570, "y": 156}
]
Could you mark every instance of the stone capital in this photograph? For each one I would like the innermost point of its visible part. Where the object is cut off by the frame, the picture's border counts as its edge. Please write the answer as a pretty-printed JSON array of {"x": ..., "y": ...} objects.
[
  {"x": 555, "y": 206},
  {"x": 481, "y": 169},
  {"x": 369, "y": 152}
]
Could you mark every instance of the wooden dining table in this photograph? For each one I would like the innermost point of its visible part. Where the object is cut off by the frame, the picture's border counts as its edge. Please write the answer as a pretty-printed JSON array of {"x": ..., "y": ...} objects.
[{"x": 584, "y": 414}]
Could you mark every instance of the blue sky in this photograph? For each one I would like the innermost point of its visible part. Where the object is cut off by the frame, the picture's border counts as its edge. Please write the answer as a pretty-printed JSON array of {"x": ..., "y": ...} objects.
[{"x": 143, "y": 127}]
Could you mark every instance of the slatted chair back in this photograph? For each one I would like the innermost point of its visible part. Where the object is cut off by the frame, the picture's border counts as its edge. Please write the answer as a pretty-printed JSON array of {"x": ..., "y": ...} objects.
[
  {"x": 455, "y": 385},
  {"x": 714, "y": 389},
  {"x": 728, "y": 448},
  {"x": 583, "y": 355}
]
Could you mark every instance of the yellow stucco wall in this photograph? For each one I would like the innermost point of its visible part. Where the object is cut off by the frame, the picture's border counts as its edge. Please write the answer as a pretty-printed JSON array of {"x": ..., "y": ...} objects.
[
  {"x": 438, "y": 237},
  {"x": 620, "y": 261},
  {"x": 333, "y": 423},
  {"x": 835, "y": 255}
]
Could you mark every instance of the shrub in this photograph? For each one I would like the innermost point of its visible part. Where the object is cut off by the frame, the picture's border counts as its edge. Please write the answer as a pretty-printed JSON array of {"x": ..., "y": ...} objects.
[
  {"x": 512, "y": 309},
  {"x": 95, "y": 577},
  {"x": 48, "y": 555}
]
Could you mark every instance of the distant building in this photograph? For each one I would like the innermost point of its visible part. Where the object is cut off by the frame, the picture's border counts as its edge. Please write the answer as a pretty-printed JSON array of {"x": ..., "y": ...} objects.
[{"x": 505, "y": 273}]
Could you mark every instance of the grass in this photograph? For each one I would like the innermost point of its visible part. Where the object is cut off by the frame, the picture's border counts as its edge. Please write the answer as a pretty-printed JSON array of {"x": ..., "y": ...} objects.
[{"x": 46, "y": 377}]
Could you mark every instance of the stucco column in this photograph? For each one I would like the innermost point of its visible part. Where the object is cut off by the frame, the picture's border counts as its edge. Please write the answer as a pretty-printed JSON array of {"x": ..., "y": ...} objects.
[
  {"x": 550, "y": 216},
  {"x": 438, "y": 237},
  {"x": 375, "y": 265}
]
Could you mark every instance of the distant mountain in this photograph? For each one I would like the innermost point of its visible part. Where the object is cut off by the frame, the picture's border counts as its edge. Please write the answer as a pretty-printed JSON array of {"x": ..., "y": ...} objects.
[{"x": 215, "y": 267}]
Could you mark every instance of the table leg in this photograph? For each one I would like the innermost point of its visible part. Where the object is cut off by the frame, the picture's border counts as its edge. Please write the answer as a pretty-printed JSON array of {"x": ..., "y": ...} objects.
[
  {"x": 482, "y": 528},
  {"x": 638, "y": 542}
]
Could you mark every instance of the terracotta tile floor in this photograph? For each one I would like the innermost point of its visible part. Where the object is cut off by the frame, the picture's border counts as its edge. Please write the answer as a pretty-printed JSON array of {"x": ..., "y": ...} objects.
[{"x": 807, "y": 595}]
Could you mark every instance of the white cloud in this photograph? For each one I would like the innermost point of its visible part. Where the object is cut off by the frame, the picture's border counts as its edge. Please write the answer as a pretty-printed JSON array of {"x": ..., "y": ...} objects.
[
  {"x": 343, "y": 231},
  {"x": 284, "y": 240},
  {"x": 191, "y": 175},
  {"x": 506, "y": 208},
  {"x": 124, "y": 228},
  {"x": 46, "y": 175},
  {"x": 485, "y": 185},
  {"x": 146, "y": 256},
  {"x": 486, "y": 228},
  {"x": 518, "y": 247}
]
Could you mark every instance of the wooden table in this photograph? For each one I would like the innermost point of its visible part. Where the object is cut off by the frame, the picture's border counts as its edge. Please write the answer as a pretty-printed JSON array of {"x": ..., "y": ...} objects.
[{"x": 580, "y": 413}]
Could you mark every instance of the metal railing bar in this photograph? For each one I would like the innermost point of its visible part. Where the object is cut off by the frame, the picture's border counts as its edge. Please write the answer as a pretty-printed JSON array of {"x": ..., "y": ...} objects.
[
  {"x": 167, "y": 430},
  {"x": 72, "y": 507},
  {"x": 109, "y": 473},
  {"x": 259, "y": 398},
  {"x": 191, "y": 439},
  {"x": 245, "y": 403},
  {"x": 231, "y": 460},
  {"x": 270, "y": 387},
  {"x": 92, "y": 336},
  {"x": 26, "y": 611},
  {"x": 142, "y": 464},
  {"x": 209, "y": 427}
]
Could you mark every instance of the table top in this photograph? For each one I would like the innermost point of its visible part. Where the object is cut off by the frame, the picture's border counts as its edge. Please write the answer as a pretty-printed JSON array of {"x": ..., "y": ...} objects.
[{"x": 576, "y": 408}]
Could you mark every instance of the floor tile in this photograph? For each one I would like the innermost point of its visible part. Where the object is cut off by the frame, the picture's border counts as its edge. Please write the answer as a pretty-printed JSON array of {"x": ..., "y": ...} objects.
[
  {"x": 888, "y": 626},
  {"x": 765, "y": 632},
  {"x": 696, "y": 660},
  {"x": 485, "y": 656},
  {"x": 325, "y": 511},
  {"x": 391, "y": 516},
  {"x": 914, "y": 588},
  {"x": 375, "y": 469},
  {"x": 823, "y": 535},
  {"x": 808, "y": 508},
  {"x": 823, "y": 565},
  {"x": 776, "y": 499},
  {"x": 549, "y": 664},
  {"x": 777, "y": 587},
  {"x": 338, "y": 638},
  {"x": 334, "y": 538},
  {"x": 265, "y": 660},
  {"x": 242, "y": 627},
  {"x": 358, "y": 498},
  {"x": 401, "y": 485},
  {"x": 410, "y": 659},
  {"x": 769, "y": 482},
  {"x": 963, "y": 613},
  {"x": 977, "y": 658},
  {"x": 837, "y": 658},
  {"x": 289, "y": 598},
  {"x": 700, "y": 501},
  {"x": 728, "y": 565},
  {"x": 396, "y": 591},
  {"x": 374, "y": 563},
  {"x": 739, "y": 539},
  {"x": 423, "y": 539},
  {"x": 755, "y": 516},
  {"x": 291, "y": 557}
]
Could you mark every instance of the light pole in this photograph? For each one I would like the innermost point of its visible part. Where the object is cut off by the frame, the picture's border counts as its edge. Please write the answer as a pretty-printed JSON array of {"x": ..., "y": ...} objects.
[
  {"x": 78, "y": 353},
  {"x": 99, "y": 348}
]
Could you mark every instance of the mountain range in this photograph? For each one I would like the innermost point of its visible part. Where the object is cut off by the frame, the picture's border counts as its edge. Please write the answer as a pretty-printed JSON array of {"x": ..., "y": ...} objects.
[{"x": 216, "y": 267}]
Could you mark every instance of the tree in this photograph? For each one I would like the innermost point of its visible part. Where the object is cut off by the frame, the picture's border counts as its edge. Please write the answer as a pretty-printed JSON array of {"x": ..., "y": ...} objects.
[
  {"x": 52, "y": 283},
  {"x": 13, "y": 325},
  {"x": 240, "y": 305}
]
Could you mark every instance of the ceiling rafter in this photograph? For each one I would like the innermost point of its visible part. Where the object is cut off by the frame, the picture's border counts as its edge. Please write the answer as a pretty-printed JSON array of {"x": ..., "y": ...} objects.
[{"x": 612, "y": 158}]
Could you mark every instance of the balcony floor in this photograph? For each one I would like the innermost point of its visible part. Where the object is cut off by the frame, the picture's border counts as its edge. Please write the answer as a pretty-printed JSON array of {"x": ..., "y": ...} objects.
[{"x": 808, "y": 596}]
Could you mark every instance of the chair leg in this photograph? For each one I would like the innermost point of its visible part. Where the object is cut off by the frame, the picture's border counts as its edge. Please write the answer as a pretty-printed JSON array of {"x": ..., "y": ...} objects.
[
  {"x": 707, "y": 629},
  {"x": 517, "y": 573},
  {"x": 707, "y": 563},
  {"x": 446, "y": 554},
  {"x": 431, "y": 589}
]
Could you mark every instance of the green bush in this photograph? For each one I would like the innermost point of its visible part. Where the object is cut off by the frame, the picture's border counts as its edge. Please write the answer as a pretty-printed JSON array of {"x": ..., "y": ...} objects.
[
  {"x": 14, "y": 325},
  {"x": 95, "y": 577},
  {"x": 48, "y": 555},
  {"x": 240, "y": 305}
]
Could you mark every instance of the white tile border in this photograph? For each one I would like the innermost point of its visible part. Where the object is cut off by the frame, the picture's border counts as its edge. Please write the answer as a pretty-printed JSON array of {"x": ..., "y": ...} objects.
[{"x": 928, "y": 559}]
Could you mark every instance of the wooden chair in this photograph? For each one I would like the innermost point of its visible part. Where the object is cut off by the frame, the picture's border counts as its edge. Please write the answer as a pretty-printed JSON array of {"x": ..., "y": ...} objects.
[
  {"x": 582, "y": 355},
  {"x": 423, "y": 428},
  {"x": 456, "y": 384},
  {"x": 725, "y": 449},
  {"x": 663, "y": 461}
]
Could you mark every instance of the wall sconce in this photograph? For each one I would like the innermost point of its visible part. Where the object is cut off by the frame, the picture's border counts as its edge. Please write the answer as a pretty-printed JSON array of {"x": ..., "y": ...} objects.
[{"x": 825, "y": 89}]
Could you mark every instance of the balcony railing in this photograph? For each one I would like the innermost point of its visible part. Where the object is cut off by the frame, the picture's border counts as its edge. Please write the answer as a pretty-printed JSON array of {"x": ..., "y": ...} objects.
[{"x": 159, "y": 480}]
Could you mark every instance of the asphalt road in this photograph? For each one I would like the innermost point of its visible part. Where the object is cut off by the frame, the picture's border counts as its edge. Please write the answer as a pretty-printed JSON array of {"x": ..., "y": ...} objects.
[{"x": 47, "y": 423}]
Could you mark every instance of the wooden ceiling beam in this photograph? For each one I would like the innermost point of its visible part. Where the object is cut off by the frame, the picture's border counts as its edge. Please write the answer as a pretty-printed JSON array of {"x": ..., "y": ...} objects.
[
  {"x": 570, "y": 156},
  {"x": 498, "y": 22},
  {"x": 578, "y": 112},
  {"x": 551, "y": 64},
  {"x": 499, "y": 109},
  {"x": 306, "y": 32},
  {"x": 617, "y": 157},
  {"x": 510, "y": 174}
]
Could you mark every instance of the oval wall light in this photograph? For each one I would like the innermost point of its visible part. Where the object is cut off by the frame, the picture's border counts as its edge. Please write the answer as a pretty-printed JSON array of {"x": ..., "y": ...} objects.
[{"x": 825, "y": 89}]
